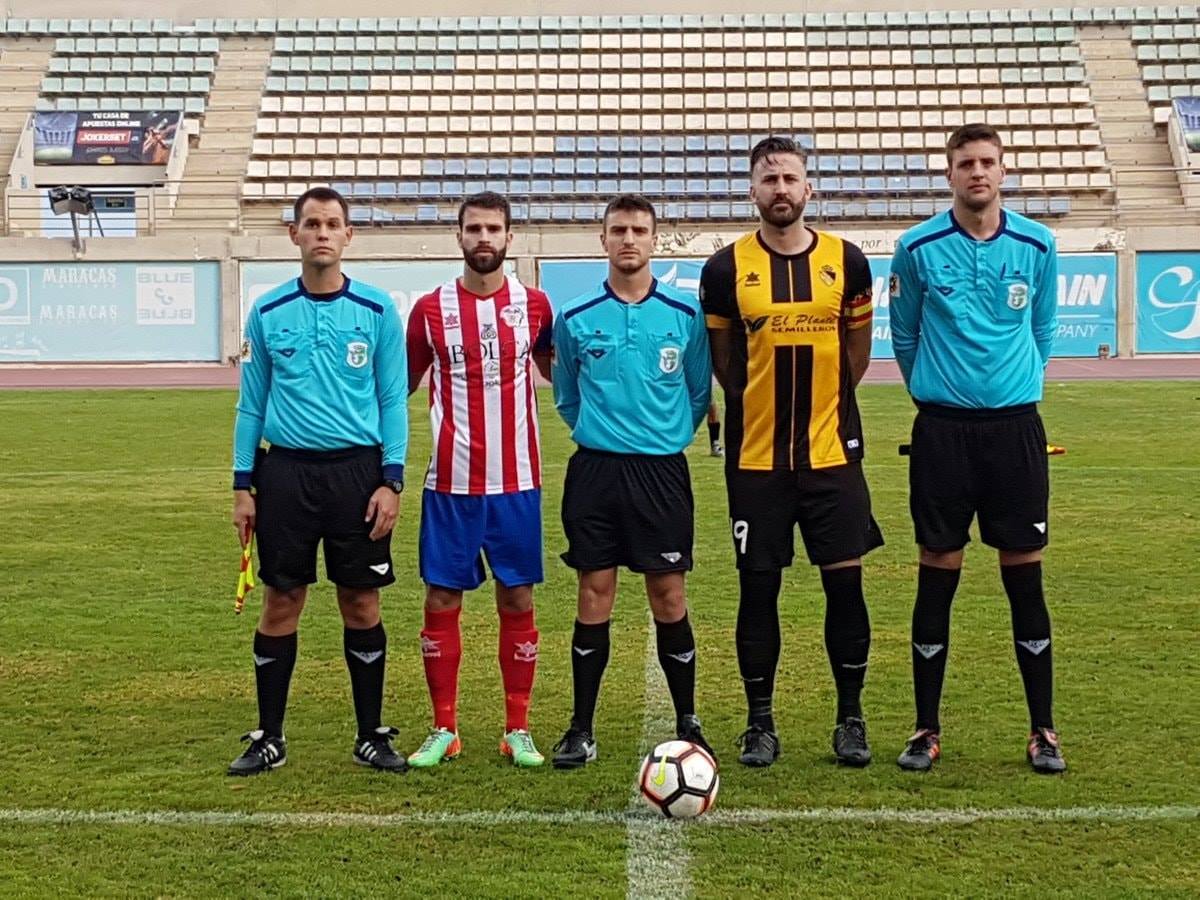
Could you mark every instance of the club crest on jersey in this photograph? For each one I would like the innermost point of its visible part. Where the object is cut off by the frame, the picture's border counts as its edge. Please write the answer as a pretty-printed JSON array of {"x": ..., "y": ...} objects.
[
  {"x": 247, "y": 354},
  {"x": 356, "y": 354},
  {"x": 668, "y": 359},
  {"x": 894, "y": 285},
  {"x": 512, "y": 316},
  {"x": 451, "y": 321},
  {"x": 487, "y": 332},
  {"x": 828, "y": 275},
  {"x": 1018, "y": 296}
]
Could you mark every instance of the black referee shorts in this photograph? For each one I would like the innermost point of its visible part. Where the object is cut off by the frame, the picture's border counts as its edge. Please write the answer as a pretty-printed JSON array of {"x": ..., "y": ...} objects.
[
  {"x": 986, "y": 462},
  {"x": 305, "y": 497},
  {"x": 832, "y": 507},
  {"x": 628, "y": 510}
]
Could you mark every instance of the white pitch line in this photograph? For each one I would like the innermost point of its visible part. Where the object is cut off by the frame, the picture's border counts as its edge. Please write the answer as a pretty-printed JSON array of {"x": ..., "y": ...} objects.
[
  {"x": 656, "y": 857},
  {"x": 932, "y": 817}
]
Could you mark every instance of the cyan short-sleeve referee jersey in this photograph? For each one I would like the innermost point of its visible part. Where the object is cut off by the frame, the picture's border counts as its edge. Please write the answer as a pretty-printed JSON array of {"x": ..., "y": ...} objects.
[
  {"x": 323, "y": 372},
  {"x": 973, "y": 320},
  {"x": 632, "y": 377}
]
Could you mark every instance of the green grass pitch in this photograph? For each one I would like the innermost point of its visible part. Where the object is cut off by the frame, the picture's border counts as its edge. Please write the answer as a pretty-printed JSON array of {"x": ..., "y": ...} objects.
[{"x": 125, "y": 680}]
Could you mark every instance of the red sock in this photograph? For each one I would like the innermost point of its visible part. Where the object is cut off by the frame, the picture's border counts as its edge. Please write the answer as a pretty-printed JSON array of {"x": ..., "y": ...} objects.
[
  {"x": 441, "y": 647},
  {"x": 518, "y": 663}
]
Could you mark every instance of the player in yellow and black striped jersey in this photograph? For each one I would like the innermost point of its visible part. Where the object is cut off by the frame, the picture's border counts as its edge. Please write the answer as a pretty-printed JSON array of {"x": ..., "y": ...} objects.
[
  {"x": 789, "y": 314},
  {"x": 791, "y": 377}
]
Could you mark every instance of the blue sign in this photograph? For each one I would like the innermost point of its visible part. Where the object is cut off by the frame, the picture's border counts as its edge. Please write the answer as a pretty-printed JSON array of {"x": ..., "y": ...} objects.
[
  {"x": 1087, "y": 295},
  {"x": 405, "y": 280},
  {"x": 110, "y": 312},
  {"x": 1168, "y": 302}
]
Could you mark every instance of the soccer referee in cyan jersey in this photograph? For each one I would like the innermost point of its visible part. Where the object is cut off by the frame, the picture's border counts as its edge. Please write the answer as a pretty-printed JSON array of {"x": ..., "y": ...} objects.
[
  {"x": 974, "y": 295},
  {"x": 632, "y": 380},
  {"x": 325, "y": 382}
]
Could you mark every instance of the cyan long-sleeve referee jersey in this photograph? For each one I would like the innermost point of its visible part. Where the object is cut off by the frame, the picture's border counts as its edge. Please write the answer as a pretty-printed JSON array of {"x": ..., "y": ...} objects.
[
  {"x": 632, "y": 377},
  {"x": 973, "y": 321},
  {"x": 323, "y": 372}
]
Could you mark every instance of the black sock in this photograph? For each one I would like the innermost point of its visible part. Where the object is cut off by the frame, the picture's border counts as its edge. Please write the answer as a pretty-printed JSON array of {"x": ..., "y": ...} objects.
[
  {"x": 589, "y": 656},
  {"x": 758, "y": 643},
  {"x": 847, "y": 637},
  {"x": 366, "y": 655},
  {"x": 931, "y": 640},
  {"x": 274, "y": 659},
  {"x": 714, "y": 432},
  {"x": 1031, "y": 636},
  {"x": 677, "y": 656}
]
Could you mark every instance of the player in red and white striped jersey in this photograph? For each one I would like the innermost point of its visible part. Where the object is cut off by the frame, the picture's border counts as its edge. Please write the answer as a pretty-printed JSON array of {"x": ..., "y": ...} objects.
[{"x": 480, "y": 336}]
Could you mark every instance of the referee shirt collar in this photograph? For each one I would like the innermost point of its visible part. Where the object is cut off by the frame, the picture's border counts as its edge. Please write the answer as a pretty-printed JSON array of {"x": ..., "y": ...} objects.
[
  {"x": 650, "y": 293},
  {"x": 341, "y": 292},
  {"x": 969, "y": 237}
]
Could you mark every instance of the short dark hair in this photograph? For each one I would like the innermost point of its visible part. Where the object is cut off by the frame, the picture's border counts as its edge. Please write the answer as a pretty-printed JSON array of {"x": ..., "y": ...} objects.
[
  {"x": 321, "y": 195},
  {"x": 973, "y": 131},
  {"x": 486, "y": 200},
  {"x": 630, "y": 203},
  {"x": 771, "y": 146}
]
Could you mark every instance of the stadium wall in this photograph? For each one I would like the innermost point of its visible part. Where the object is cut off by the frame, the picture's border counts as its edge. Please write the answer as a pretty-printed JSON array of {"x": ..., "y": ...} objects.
[{"x": 1157, "y": 273}]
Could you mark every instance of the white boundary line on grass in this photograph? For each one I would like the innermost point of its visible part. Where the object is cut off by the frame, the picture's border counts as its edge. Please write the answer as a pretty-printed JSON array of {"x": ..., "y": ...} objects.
[
  {"x": 933, "y": 817},
  {"x": 656, "y": 855}
]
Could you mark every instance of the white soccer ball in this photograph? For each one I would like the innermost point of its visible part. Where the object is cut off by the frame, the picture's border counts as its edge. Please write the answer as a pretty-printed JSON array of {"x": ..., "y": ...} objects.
[{"x": 679, "y": 779}]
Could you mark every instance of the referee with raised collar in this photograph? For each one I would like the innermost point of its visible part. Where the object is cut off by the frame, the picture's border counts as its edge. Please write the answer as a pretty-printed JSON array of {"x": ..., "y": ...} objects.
[{"x": 324, "y": 380}]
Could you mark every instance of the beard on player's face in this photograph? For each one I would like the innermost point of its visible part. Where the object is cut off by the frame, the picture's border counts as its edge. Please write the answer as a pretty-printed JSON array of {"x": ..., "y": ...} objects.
[
  {"x": 485, "y": 261},
  {"x": 781, "y": 212}
]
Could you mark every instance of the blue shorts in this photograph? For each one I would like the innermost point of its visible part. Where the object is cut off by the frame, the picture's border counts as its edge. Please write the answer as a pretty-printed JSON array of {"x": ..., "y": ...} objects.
[{"x": 458, "y": 529}]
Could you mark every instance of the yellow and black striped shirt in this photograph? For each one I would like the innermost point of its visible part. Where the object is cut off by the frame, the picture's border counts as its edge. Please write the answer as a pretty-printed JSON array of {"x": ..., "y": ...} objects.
[{"x": 790, "y": 397}]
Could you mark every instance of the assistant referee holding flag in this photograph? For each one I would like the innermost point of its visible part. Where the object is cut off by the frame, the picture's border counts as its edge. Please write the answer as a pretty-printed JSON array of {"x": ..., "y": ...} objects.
[{"x": 325, "y": 382}]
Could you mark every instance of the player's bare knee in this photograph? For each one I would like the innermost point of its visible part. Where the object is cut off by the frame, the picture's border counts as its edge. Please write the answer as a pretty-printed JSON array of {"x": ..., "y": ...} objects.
[
  {"x": 281, "y": 610},
  {"x": 442, "y": 599},
  {"x": 597, "y": 594},
  {"x": 668, "y": 600},
  {"x": 949, "y": 559},
  {"x": 1019, "y": 557},
  {"x": 516, "y": 599},
  {"x": 359, "y": 606}
]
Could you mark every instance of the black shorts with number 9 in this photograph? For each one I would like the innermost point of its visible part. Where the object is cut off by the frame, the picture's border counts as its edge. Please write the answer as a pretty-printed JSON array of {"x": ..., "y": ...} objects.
[{"x": 832, "y": 507}]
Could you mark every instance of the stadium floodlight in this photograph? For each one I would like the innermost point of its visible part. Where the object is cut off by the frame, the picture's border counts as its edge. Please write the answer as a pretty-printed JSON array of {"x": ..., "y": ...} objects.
[{"x": 74, "y": 201}]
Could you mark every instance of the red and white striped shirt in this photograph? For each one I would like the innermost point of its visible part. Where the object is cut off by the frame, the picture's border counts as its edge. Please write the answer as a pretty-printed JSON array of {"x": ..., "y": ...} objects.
[{"x": 481, "y": 391}]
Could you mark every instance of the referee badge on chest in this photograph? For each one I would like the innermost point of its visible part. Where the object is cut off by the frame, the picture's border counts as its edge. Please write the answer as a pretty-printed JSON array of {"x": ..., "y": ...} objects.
[
  {"x": 1018, "y": 295},
  {"x": 356, "y": 354},
  {"x": 668, "y": 359}
]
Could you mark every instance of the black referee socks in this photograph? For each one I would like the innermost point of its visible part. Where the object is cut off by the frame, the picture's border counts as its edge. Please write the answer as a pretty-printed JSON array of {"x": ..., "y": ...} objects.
[
  {"x": 931, "y": 640},
  {"x": 589, "y": 657},
  {"x": 274, "y": 659},
  {"x": 677, "y": 656},
  {"x": 847, "y": 636},
  {"x": 366, "y": 654},
  {"x": 758, "y": 643},
  {"x": 1031, "y": 637}
]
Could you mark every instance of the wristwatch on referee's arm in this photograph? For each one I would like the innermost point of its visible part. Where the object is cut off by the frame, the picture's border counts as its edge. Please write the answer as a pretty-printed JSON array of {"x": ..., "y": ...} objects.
[{"x": 393, "y": 477}]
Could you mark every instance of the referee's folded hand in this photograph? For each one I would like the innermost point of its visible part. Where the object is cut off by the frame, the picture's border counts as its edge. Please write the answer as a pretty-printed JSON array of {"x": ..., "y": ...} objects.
[
  {"x": 384, "y": 507},
  {"x": 243, "y": 515}
]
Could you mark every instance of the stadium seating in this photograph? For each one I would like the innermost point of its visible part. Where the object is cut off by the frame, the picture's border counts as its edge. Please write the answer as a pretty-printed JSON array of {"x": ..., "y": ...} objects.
[
  {"x": 410, "y": 114},
  {"x": 643, "y": 98}
]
